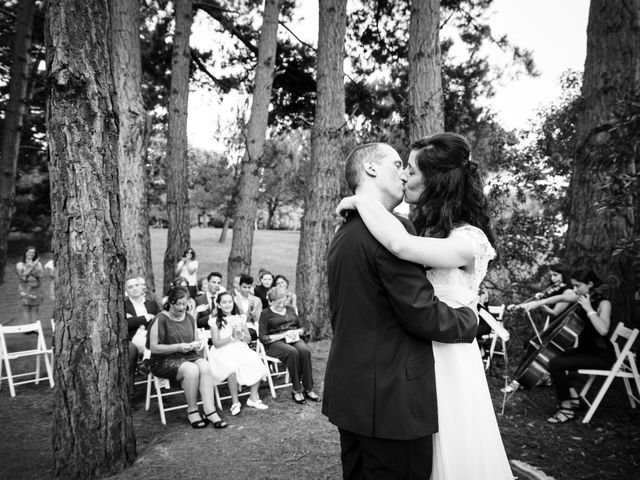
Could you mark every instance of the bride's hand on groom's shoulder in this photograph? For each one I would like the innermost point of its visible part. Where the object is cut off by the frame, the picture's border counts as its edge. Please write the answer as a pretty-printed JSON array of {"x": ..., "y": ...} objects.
[{"x": 346, "y": 204}]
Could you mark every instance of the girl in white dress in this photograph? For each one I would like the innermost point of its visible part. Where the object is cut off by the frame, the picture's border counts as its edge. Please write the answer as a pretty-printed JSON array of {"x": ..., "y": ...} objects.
[
  {"x": 230, "y": 356},
  {"x": 456, "y": 241}
]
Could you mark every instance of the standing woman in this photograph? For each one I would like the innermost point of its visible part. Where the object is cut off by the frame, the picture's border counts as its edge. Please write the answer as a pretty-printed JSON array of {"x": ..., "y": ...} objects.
[
  {"x": 187, "y": 268},
  {"x": 594, "y": 349},
  {"x": 456, "y": 240},
  {"x": 30, "y": 271},
  {"x": 176, "y": 354},
  {"x": 280, "y": 331}
]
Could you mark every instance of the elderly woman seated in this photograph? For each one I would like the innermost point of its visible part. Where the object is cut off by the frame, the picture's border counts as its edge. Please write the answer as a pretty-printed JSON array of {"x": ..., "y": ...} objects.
[
  {"x": 176, "y": 354},
  {"x": 280, "y": 331}
]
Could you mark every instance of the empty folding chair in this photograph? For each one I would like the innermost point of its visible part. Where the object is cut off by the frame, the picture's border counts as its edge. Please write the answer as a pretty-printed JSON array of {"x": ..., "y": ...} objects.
[
  {"x": 499, "y": 335},
  {"x": 624, "y": 367},
  {"x": 39, "y": 351}
]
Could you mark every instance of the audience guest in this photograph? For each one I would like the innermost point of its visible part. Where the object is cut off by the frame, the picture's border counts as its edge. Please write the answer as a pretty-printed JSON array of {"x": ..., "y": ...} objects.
[
  {"x": 266, "y": 281},
  {"x": 280, "y": 332},
  {"x": 139, "y": 312},
  {"x": 182, "y": 282},
  {"x": 30, "y": 271},
  {"x": 594, "y": 349},
  {"x": 231, "y": 357},
  {"x": 202, "y": 285},
  {"x": 206, "y": 302},
  {"x": 292, "y": 300},
  {"x": 187, "y": 268},
  {"x": 143, "y": 285},
  {"x": 51, "y": 272},
  {"x": 248, "y": 304},
  {"x": 235, "y": 285},
  {"x": 176, "y": 354}
]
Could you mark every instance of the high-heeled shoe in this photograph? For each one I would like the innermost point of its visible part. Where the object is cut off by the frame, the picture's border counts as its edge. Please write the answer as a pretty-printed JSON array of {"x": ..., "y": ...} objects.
[
  {"x": 201, "y": 423},
  {"x": 216, "y": 424},
  {"x": 311, "y": 395},
  {"x": 298, "y": 397}
]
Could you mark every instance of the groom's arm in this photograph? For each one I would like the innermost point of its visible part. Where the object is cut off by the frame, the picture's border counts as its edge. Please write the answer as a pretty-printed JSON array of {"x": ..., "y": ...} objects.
[{"x": 417, "y": 308}]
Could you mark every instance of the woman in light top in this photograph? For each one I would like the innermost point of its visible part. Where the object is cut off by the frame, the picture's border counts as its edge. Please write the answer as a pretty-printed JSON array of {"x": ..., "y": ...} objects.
[
  {"x": 454, "y": 239},
  {"x": 187, "y": 268}
]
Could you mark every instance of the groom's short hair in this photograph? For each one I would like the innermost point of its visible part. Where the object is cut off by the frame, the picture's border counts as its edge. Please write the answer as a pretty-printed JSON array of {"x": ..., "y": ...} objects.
[{"x": 354, "y": 166}]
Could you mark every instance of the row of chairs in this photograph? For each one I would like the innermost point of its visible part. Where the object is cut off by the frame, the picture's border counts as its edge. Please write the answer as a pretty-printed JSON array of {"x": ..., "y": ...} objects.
[{"x": 622, "y": 339}]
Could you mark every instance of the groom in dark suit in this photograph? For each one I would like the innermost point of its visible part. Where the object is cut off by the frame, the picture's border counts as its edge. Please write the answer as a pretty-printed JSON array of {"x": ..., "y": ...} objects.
[{"x": 379, "y": 387}]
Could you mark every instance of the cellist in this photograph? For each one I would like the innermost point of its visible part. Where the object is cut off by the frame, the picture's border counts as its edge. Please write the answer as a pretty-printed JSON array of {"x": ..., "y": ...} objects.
[{"x": 594, "y": 349}]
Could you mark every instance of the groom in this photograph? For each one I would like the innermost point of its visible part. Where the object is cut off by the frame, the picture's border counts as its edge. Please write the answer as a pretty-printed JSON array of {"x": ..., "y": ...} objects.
[{"x": 379, "y": 387}]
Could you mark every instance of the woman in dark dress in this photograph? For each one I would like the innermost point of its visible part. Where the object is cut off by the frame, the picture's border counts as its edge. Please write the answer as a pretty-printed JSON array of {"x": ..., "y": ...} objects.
[
  {"x": 280, "y": 331},
  {"x": 594, "y": 349},
  {"x": 176, "y": 354}
]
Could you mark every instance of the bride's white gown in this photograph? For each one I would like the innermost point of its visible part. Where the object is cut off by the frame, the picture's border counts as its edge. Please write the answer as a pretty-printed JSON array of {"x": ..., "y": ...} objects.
[{"x": 468, "y": 445}]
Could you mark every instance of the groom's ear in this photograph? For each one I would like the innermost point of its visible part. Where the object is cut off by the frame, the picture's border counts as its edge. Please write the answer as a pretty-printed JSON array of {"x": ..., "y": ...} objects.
[{"x": 370, "y": 168}]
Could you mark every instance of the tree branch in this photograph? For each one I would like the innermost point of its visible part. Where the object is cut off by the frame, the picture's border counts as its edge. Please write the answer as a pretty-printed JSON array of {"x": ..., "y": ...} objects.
[
  {"x": 218, "y": 13},
  {"x": 203, "y": 68}
]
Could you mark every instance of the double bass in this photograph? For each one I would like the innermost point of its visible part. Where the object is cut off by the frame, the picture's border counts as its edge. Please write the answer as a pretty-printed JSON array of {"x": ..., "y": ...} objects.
[{"x": 561, "y": 335}]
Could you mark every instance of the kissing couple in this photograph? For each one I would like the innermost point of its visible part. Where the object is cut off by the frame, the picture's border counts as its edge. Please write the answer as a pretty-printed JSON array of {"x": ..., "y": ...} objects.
[{"x": 404, "y": 381}]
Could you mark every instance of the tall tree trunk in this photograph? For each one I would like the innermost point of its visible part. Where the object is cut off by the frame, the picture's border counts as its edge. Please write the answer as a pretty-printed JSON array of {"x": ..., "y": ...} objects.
[
  {"x": 605, "y": 161},
  {"x": 426, "y": 104},
  {"x": 247, "y": 201},
  {"x": 272, "y": 206},
  {"x": 318, "y": 222},
  {"x": 92, "y": 427},
  {"x": 126, "y": 60},
  {"x": 12, "y": 126},
  {"x": 178, "y": 233}
]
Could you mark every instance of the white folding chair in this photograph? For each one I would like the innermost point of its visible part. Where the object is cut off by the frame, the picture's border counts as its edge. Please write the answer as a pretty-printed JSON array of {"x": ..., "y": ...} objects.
[
  {"x": 624, "y": 368},
  {"x": 40, "y": 350},
  {"x": 494, "y": 318},
  {"x": 159, "y": 384},
  {"x": 276, "y": 369}
]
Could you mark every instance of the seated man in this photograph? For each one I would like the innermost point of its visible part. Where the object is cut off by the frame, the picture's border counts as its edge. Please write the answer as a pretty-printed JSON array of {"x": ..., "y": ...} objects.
[
  {"x": 139, "y": 312},
  {"x": 206, "y": 303},
  {"x": 248, "y": 304}
]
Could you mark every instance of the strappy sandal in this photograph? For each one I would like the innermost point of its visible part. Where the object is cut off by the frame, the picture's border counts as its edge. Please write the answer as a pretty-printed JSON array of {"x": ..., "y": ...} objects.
[
  {"x": 201, "y": 423},
  {"x": 218, "y": 424},
  {"x": 562, "y": 415}
]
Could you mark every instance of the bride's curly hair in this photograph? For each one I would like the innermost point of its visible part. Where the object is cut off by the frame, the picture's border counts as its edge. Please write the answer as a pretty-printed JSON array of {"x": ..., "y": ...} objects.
[{"x": 453, "y": 187}]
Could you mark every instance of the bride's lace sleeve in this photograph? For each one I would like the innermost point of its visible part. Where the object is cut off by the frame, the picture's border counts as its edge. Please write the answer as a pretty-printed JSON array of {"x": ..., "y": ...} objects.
[{"x": 483, "y": 251}]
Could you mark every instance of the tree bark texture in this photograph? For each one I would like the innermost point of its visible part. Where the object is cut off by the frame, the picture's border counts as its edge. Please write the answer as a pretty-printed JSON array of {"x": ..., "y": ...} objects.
[
  {"x": 244, "y": 217},
  {"x": 318, "y": 222},
  {"x": 178, "y": 233},
  {"x": 611, "y": 80},
  {"x": 426, "y": 105},
  {"x": 132, "y": 117},
  {"x": 12, "y": 125},
  {"x": 92, "y": 428}
]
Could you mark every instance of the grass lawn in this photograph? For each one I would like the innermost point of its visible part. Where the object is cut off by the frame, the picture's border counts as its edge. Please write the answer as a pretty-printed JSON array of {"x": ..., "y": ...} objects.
[{"x": 295, "y": 441}]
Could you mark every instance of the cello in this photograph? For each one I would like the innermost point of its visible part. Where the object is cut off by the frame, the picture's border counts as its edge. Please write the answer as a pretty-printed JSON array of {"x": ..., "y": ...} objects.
[{"x": 561, "y": 335}]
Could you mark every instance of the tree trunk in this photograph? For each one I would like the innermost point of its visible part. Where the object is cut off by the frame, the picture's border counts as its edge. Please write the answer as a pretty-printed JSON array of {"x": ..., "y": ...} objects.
[
  {"x": 272, "y": 206},
  {"x": 12, "y": 125},
  {"x": 318, "y": 222},
  {"x": 604, "y": 198},
  {"x": 126, "y": 60},
  {"x": 247, "y": 201},
  {"x": 225, "y": 229},
  {"x": 426, "y": 105},
  {"x": 179, "y": 218},
  {"x": 92, "y": 427}
]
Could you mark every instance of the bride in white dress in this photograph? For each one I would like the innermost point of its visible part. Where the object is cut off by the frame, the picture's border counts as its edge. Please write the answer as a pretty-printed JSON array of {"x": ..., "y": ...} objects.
[{"x": 446, "y": 189}]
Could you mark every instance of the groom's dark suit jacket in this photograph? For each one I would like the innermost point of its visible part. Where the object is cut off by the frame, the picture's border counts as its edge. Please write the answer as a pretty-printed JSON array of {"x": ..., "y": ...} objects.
[{"x": 379, "y": 380}]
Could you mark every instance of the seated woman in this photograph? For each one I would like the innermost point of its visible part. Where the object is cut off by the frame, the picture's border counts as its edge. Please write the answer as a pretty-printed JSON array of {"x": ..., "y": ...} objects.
[
  {"x": 280, "y": 331},
  {"x": 182, "y": 282},
  {"x": 594, "y": 349},
  {"x": 560, "y": 285},
  {"x": 176, "y": 354},
  {"x": 292, "y": 300},
  {"x": 231, "y": 358}
]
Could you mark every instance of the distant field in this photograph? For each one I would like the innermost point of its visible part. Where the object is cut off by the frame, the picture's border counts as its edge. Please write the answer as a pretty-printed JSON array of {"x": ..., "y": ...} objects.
[{"x": 275, "y": 250}]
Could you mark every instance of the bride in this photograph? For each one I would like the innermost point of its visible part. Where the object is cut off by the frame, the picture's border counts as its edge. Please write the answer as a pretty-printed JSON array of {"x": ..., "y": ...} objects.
[{"x": 456, "y": 241}]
